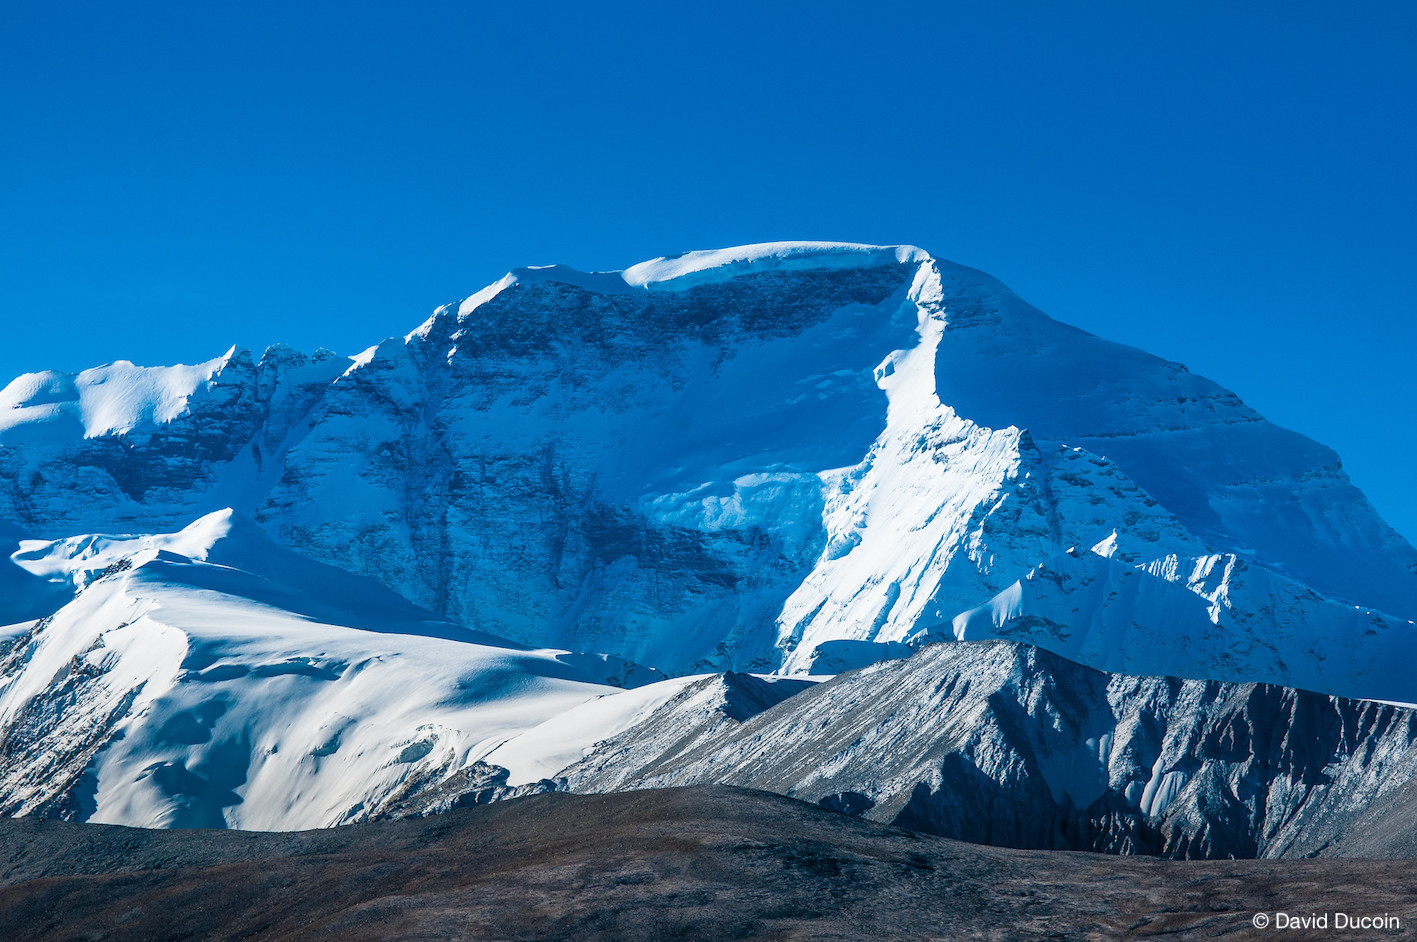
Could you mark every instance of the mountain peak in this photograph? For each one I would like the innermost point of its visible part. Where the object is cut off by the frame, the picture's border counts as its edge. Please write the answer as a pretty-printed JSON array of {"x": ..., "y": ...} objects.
[
  {"x": 677, "y": 272},
  {"x": 690, "y": 269}
]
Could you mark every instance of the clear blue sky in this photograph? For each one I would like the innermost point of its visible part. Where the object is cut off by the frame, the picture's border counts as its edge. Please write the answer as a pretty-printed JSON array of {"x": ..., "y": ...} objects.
[{"x": 1228, "y": 185}]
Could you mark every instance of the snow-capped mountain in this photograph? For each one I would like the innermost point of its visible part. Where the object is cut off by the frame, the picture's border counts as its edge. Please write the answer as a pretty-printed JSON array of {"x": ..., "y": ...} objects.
[
  {"x": 786, "y": 457},
  {"x": 350, "y": 588}
]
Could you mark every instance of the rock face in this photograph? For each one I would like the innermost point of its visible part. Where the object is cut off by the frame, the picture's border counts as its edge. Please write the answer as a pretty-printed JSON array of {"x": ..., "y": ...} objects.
[
  {"x": 730, "y": 459},
  {"x": 1006, "y": 744}
]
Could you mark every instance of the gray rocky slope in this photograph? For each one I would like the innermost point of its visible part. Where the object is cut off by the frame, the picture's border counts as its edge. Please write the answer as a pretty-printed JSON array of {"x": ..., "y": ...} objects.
[
  {"x": 694, "y": 865},
  {"x": 1006, "y": 744}
]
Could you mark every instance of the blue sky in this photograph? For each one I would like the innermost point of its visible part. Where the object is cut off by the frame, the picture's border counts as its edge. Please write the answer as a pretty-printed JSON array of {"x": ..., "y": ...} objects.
[{"x": 1228, "y": 185}]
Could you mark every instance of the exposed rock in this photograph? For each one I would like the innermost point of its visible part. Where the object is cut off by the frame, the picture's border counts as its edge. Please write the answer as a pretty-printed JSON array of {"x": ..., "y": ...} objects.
[{"x": 1007, "y": 744}]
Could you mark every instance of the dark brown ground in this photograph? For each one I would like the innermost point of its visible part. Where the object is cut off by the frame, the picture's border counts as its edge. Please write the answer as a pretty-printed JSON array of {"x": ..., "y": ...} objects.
[{"x": 705, "y": 863}]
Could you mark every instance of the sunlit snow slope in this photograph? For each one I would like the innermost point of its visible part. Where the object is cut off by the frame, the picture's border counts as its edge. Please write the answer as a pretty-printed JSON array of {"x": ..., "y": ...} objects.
[{"x": 174, "y": 689}]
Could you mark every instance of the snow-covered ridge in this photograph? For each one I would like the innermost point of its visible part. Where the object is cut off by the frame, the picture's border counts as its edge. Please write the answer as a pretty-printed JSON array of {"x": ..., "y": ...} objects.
[
  {"x": 678, "y": 272},
  {"x": 241, "y": 686},
  {"x": 112, "y": 399},
  {"x": 690, "y": 269}
]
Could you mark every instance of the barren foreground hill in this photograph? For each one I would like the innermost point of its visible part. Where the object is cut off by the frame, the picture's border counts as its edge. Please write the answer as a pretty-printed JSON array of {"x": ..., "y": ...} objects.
[{"x": 686, "y": 863}]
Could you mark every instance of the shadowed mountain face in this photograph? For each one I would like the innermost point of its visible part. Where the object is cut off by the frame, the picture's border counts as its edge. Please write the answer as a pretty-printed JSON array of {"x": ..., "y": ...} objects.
[{"x": 698, "y": 863}]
